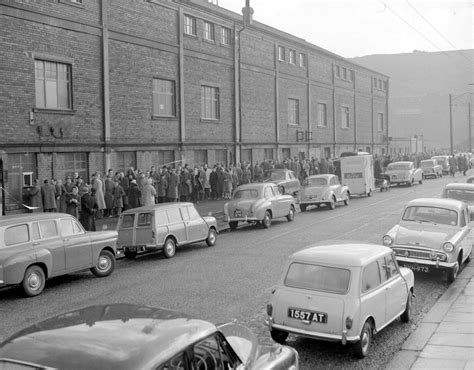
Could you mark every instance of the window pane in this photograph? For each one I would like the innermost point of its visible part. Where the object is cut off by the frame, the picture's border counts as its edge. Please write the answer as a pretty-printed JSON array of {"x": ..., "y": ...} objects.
[
  {"x": 67, "y": 227},
  {"x": 16, "y": 234},
  {"x": 48, "y": 229},
  {"x": 51, "y": 94}
]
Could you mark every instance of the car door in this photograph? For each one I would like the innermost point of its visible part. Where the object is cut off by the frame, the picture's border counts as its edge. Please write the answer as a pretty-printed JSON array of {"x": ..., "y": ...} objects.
[
  {"x": 468, "y": 240},
  {"x": 126, "y": 230},
  {"x": 336, "y": 187},
  {"x": 372, "y": 296},
  {"x": 293, "y": 183},
  {"x": 46, "y": 238},
  {"x": 196, "y": 227},
  {"x": 279, "y": 201},
  {"x": 395, "y": 288},
  {"x": 144, "y": 229},
  {"x": 176, "y": 225},
  {"x": 77, "y": 245}
]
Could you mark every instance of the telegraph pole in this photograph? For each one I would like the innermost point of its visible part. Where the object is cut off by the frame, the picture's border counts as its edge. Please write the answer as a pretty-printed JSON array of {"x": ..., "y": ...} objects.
[
  {"x": 450, "y": 125},
  {"x": 469, "y": 123}
]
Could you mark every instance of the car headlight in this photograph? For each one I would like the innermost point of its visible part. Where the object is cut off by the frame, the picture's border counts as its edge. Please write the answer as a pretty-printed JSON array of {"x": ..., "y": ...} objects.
[
  {"x": 387, "y": 240},
  {"x": 269, "y": 309},
  {"x": 448, "y": 247}
]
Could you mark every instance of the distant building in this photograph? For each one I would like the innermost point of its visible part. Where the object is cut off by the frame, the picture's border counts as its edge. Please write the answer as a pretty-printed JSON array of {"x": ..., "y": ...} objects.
[{"x": 90, "y": 85}]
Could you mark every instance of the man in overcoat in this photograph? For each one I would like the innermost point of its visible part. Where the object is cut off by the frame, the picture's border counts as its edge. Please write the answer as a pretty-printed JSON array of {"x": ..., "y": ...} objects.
[{"x": 48, "y": 193}]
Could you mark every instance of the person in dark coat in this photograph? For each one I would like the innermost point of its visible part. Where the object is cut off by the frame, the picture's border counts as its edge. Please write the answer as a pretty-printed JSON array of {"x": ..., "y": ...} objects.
[
  {"x": 88, "y": 209},
  {"x": 173, "y": 182},
  {"x": 48, "y": 193},
  {"x": 35, "y": 197},
  {"x": 60, "y": 196},
  {"x": 134, "y": 195},
  {"x": 213, "y": 178},
  {"x": 73, "y": 201}
]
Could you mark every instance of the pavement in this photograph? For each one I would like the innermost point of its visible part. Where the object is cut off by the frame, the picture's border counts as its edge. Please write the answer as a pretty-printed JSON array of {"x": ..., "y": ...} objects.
[{"x": 443, "y": 340}]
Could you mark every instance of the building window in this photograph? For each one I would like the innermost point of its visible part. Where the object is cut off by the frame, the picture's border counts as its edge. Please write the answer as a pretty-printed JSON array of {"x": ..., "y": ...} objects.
[
  {"x": 268, "y": 153},
  {"x": 200, "y": 157},
  {"x": 352, "y": 75},
  {"x": 380, "y": 122},
  {"x": 19, "y": 165},
  {"x": 73, "y": 163},
  {"x": 126, "y": 160},
  {"x": 281, "y": 54},
  {"x": 385, "y": 85},
  {"x": 293, "y": 112},
  {"x": 375, "y": 82},
  {"x": 164, "y": 98},
  {"x": 292, "y": 57},
  {"x": 209, "y": 103},
  {"x": 345, "y": 117},
  {"x": 344, "y": 73},
  {"x": 302, "y": 58},
  {"x": 322, "y": 115},
  {"x": 190, "y": 25},
  {"x": 209, "y": 31},
  {"x": 226, "y": 36},
  {"x": 221, "y": 156},
  {"x": 53, "y": 85},
  {"x": 338, "y": 72}
]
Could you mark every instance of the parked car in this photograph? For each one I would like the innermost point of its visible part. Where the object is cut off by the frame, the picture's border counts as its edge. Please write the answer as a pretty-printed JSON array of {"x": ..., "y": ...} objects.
[
  {"x": 286, "y": 180},
  {"x": 323, "y": 189},
  {"x": 344, "y": 293},
  {"x": 38, "y": 246},
  {"x": 258, "y": 202},
  {"x": 163, "y": 227},
  {"x": 128, "y": 336},
  {"x": 432, "y": 235},
  {"x": 470, "y": 180},
  {"x": 461, "y": 191},
  {"x": 431, "y": 168},
  {"x": 443, "y": 161},
  {"x": 404, "y": 173}
]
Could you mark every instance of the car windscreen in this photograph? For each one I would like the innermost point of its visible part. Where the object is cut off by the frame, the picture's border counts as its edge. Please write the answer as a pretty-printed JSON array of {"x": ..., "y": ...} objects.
[
  {"x": 461, "y": 194},
  {"x": 398, "y": 167},
  {"x": 277, "y": 175},
  {"x": 318, "y": 181},
  {"x": 440, "y": 160},
  {"x": 246, "y": 194},
  {"x": 316, "y": 277},
  {"x": 426, "y": 164},
  {"x": 435, "y": 215}
]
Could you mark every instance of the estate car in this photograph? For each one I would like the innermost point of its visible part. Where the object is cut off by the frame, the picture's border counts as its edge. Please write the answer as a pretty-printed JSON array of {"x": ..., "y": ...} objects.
[
  {"x": 431, "y": 168},
  {"x": 343, "y": 293},
  {"x": 127, "y": 336},
  {"x": 286, "y": 180},
  {"x": 39, "y": 246}
]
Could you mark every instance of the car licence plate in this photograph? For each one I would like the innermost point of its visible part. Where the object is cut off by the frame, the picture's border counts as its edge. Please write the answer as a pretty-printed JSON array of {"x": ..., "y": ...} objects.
[
  {"x": 417, "y": 268},
  {"x": 131, "y": 249},
  {"x": 238, "y": 213},
  {"x": 307, "y": 316}
]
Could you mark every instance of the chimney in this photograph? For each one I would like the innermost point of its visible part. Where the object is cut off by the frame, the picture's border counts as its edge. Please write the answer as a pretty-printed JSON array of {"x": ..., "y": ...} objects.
[{"x": 248, "y": 13}]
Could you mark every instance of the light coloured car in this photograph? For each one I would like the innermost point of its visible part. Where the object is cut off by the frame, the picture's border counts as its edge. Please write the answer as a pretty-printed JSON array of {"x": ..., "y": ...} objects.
[
  {"x": 323, "y": 190},
  {"x": 38, "y": 246},
  {"x": 431, "y": 168},
  {"x": 286, "y": 180},
  {"x": 461, "y": 191},
  {"x": 432, "y": 235},
  {"x": 342, "y": 293},
  {"x": 470, "y": 180},
  {"x": 165, "y": 227},
  {"x": 123, "y": 336},
  {"x": 404, "y": 173},
  {"x": 258, "y": 202},
  {"x": 443, "y": 161}
]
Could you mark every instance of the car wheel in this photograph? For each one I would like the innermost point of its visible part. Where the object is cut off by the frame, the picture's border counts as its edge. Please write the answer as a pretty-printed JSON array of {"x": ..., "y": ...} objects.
[
  {"x": 279, "y": 336},
  {"x": 363, "y": 345},
  {"x": 130, "y": 254},
  {"x": 169, "y": 248},
  {"x": 332, "y": 203},
  {"x": 291, "y": 214},
  {"x": 211, "y": 238},
  {"x": 33, "y": 281},
  {"x": 346, "y": 201},
  {"x": 105, "y": 264},
  {"x": 233, "y": 225},
  {"x": 420, "y": 182},
  {"x": 406, "y": 315},
  {"x": 303, "y": 207},
  {"x": 267, "y": 220},
  {"x": 282, "y": 189},
  {"x": 369, "y": 194},
  {"x": 453, "y": 273}
]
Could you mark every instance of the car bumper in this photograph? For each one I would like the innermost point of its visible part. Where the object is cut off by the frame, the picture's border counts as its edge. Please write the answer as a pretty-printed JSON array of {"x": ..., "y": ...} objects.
[
  {"x": 421, "y": 262},
  {"x": 242, "y": 219},
  {"x": 309, "y": 202},
  {"x": 344, "y": 338}
]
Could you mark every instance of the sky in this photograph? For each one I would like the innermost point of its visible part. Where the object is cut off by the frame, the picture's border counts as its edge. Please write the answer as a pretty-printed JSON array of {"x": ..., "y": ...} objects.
[{"x": 353, "y": 28}]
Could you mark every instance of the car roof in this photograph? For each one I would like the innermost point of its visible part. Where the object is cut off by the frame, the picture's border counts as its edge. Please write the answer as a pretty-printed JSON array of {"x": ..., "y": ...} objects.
[
  {"x": 118, "y": 336},
  {"x": 255, "y": 185},
  {"x": 428, "y": 160},
  {"x": 323, "y": 176},
  {"x": 346, "y": 254},
  {"x": 30, "y": 217},
  {"x": 437, "y": 202},
  {"x": 402, "y": 162},
  {"x": 460, "y": 186},
  {"x": 439, "y": 156},
  {"x": 160, "y": 206}
]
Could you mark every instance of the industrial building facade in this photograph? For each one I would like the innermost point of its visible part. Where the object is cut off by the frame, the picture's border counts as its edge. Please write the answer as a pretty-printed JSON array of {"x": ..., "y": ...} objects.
[{"x": 90, "y": 85}]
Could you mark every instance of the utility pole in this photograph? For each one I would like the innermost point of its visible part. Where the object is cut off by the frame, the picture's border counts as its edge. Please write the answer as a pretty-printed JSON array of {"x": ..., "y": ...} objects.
[
  {"x": 450, "y": 125},
  {"x": 469, "y": 123}
]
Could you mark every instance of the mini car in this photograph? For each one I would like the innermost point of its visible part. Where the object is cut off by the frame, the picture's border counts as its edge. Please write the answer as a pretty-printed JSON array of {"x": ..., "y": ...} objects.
[
  {"x": 431, "y": 168},
  {"x": 432, "y": 235},
  {"x": 463, "y": 192},
  {"x": 342, "y": 293},
  {"x": 323, "y": 189},
  {"x": 163, "y": 226},
  {"x": 39, "y": 246},
  {"x": 127, "y": 336},
  {"x": 404, "y": 173},
  {"x": 443, "y": 161},
  {"x": 258, "y": 202},
  {"x": 286, "y": 180}
]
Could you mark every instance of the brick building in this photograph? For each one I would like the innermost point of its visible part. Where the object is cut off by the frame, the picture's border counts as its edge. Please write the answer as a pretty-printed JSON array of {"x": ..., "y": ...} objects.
[{"x": 89, "y": 85}]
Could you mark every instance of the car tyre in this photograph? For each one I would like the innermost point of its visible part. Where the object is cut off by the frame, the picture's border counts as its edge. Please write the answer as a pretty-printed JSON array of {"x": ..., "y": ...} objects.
[
  {"x": 362, "y": 347},
  {"x": 130, "y": 254},
  {"x": 420, "y": 182},
  {"x": 169, "y": 249},
  {"x": 233, "y": 225},
  {"x": 369, "y": 194},
  {"x": 410, "y": 183},
  {"x": 279, "y": 336},
  {"x": 346, "y": 201},
  {"x": 332, "y": 203},
  {"x": 105, "y": 264},
  {"x": 211, "y": 238},
  {"x": 33, "y": 281},
  {"x": 303, "y": 207},
  {"x": 406, "y": 315},
  {"x": 453, "y": 273},
  {"x": 291, "y": 214},
  {"x": 267, "y": 220}
]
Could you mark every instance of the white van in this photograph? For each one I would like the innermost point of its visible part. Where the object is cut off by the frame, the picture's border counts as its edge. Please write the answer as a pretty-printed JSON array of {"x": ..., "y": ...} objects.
[{"x": 357, "y": 172}]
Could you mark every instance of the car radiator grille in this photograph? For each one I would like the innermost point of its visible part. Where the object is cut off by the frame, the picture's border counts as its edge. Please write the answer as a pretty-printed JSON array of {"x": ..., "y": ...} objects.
[{"x": 425, "y": 255}]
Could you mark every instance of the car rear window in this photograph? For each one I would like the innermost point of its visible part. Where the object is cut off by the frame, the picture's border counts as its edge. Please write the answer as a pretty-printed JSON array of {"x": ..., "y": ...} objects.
[
  {"x": 431, "y": 214},
  {"x": 315, "y": 182},
  {"x": 246, "y": 194},
  {"x": 398, "y": 167},
  {"x": 461, "y": 194},
  {"x": 426, "y": 164},
  {"x": 315, "y": 277}
]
